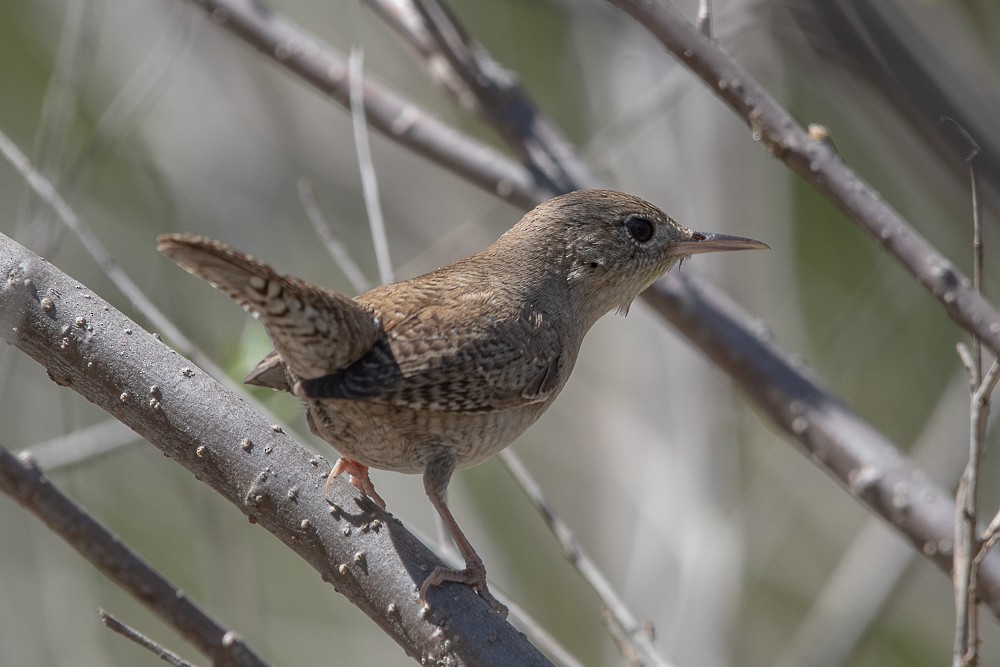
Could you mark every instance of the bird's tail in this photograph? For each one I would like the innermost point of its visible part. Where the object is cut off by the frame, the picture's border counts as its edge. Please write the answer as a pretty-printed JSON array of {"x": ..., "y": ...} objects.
[{"x": 315, "y": 331}]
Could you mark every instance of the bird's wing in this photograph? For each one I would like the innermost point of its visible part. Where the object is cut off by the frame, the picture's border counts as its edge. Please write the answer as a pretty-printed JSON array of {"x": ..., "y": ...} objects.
[{"x": 426, "y": 362}]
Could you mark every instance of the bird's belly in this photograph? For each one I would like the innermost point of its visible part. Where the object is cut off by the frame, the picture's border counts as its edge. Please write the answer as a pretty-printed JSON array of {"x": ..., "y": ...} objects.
[{"x": 404, "y": 440}]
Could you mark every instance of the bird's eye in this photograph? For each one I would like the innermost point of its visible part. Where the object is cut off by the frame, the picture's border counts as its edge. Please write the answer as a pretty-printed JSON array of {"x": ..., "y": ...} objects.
[{"x": 639, "y": 228}]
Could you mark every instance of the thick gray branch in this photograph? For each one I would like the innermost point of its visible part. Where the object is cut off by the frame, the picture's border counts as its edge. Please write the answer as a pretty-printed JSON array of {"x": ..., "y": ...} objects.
[{"x": 366, "y": 554}]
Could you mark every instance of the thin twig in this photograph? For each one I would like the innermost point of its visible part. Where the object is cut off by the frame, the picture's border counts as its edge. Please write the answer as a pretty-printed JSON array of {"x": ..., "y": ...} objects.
[
  {"x": 503, "y": 103},
  {"x": 967, "y": 542},
  {"x": 622, "y": 640},
  {"x": 704, "y": 19},
  {"x": 337, "y": 250},
  {"x": 110, "y": 267},
  {"x": 161, "y": 652},
  {"x": 21, "y": 479},
  {"x": 633, "y": 634},
  {"x": 405, "y": 20},
  {"x": 369, "y": 179},
  {"x": 81, "y": 445}
]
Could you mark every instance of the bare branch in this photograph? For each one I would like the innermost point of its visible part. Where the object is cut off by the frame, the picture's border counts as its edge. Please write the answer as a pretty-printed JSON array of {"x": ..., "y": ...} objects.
[
  {"x": 336, "y": 249},
  {"x": 369, "y": 179},
  {"x": 538, "y": 141},
  {"x": 819, "y": 164},
  {"x": 367, "y": 555},
  {"x": 142, "y": 640},
  {"x": 967, "y": 543},
  {"x": 629, "y": 635},
  {"x": 397, "y": 118},
  {"x": 81, "y": 445},
  {"x": 869, "y": 466},
  {"x": 21, "y": 479}
]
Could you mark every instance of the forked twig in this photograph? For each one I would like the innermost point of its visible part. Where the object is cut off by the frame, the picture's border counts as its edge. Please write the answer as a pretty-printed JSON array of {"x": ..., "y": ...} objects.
[
  {"x": 969, "y": 547},
  {"x": 142, "y": 640}
]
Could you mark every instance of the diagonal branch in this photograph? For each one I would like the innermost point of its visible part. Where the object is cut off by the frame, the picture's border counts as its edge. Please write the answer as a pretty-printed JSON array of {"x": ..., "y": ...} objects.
[
  {"x": 391, "y": 114},
  {"x": 862, "y": 460},
  {"x": 366, "y": 554},
  {"x": 21, "y": 479},
  {"x": 503, "y": 103},
  {"x": 816, "y": 160}
]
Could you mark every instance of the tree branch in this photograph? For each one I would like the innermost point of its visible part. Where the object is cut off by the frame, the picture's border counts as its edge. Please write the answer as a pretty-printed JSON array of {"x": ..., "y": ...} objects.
[
  {"x": 819, "y": 164},
  {"x": 503, "y": 103},
  {"x": 394, "y": 116},
  {"x": 366, "y": 554},
  {"x": 834, "y": 437},
  {"x": 21, "y": 479}
]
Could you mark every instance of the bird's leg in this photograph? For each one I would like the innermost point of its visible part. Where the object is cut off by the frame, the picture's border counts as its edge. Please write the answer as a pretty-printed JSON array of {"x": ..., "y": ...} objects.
[
  {"x": 437, "y": 474},
  {"x": 359, "y": 478}
]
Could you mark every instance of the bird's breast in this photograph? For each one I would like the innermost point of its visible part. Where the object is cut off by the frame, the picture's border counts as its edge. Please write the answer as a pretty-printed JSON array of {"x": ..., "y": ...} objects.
[{"x": 403, "y": 440}]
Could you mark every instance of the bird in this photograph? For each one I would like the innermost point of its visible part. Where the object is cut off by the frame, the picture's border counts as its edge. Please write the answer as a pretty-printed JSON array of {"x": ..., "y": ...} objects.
[{"x": 442, "y": 371}]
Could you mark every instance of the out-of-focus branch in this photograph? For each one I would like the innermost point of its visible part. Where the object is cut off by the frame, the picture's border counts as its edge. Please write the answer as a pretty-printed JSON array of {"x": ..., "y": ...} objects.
[
  {"x": 631, "y": 636},
  {"x": 81, "y": 445},
  {"x": 969, "y": 548},
  {"x": 816, "y": 160},
  {"x": 142, "y": 640},
  {"x": 365, "y": 553},
  {"x": 394, "y": 116},
  {"x": 21, "y": 479},
  {"x": 502, "y": 102},
  {"x": 869, "y": 466}
]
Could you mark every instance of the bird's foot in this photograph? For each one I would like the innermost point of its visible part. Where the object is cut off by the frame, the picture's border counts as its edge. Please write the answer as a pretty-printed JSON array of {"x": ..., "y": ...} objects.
[
  {"x": 474, "y": 576},
  {"x": 359, "y": 478}
]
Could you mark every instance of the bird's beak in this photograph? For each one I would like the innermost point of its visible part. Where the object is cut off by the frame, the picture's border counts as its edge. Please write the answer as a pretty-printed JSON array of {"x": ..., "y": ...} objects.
[{"x": 704, "y": 242}]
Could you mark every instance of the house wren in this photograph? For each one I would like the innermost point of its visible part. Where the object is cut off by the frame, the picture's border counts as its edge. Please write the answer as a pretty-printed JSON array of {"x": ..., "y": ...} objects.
[{"x": 444, "y": 370}]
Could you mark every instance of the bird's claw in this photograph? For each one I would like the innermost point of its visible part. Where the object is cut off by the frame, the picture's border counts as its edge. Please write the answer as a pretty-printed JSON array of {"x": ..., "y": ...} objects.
[
  {"x": 359, "y": 479},
  {"x": 474, "y": 576}
]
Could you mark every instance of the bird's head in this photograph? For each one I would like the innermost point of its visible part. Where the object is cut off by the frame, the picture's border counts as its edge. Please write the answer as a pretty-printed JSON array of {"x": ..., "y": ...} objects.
[{"x": 611, "y": 246}]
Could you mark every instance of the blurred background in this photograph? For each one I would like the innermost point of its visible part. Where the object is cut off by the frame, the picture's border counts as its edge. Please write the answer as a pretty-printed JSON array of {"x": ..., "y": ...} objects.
[{"x": 716, "y": 530}]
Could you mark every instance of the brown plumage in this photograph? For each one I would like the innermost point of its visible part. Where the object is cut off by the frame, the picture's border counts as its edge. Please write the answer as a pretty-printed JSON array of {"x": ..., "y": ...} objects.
[{"x": 444, "y": 370}]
